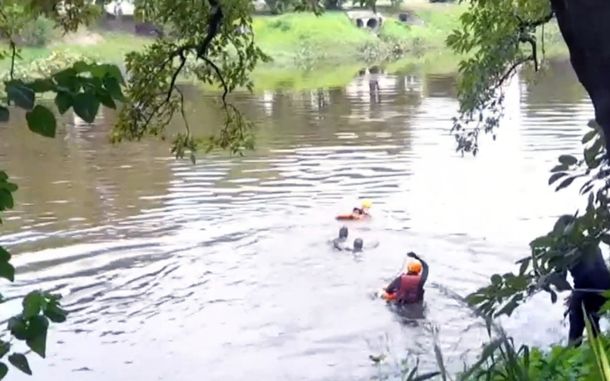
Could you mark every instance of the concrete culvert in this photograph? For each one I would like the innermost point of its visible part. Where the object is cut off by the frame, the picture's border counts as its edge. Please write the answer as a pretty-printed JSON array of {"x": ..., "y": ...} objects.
[
  {"x": 403, "y": 17},
  {"x": 372, "y": 23},
  {"x": 359, "y": 23}
]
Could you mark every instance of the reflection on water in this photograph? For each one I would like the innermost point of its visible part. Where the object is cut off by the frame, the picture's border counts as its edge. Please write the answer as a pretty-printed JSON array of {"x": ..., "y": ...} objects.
[{"x": 221, "y": 270}]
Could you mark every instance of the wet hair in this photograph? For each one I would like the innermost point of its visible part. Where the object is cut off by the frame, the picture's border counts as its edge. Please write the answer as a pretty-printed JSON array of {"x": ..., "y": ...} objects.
[
  {"x": 343, "y": 232},
  {"x": 358, "y": 244}
]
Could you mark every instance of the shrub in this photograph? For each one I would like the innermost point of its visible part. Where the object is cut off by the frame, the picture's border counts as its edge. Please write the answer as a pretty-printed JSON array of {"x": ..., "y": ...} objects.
[{"x": 38, "y": 32}]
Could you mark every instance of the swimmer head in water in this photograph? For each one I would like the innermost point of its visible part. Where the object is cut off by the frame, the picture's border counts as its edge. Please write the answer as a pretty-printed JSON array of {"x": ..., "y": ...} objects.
[
  {"x": 343, "y": 232},
  {"x": 358, "y": 245}
]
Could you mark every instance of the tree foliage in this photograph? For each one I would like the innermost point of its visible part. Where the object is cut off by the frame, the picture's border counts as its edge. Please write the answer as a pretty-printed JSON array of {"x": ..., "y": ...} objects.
[
  {"x": 497, "y": 37},
  {"x": 38, "y": 307}
]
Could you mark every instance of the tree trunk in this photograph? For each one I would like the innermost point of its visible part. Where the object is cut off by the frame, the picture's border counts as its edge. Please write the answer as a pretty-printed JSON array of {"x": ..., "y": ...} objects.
[{"x": 585, "y": 26}]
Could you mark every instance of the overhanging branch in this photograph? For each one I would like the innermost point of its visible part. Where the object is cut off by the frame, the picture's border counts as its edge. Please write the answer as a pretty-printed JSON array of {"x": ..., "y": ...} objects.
[
  {"x": 534, "y": 23},
  {"x": 201, "y": 49}
]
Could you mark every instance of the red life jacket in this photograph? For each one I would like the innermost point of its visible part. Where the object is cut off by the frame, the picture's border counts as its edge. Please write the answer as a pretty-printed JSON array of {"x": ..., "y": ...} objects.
[{"x": 409, "y": 288}]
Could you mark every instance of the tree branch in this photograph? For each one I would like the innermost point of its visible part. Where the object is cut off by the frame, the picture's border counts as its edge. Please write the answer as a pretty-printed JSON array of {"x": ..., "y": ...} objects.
[
  {"x": 214, "y": 22},
  {"x": 172, "y": 84},
  {"x": 532, "y": 41},
  {"x": 213, "y": 29},
  {"x": 220, "y": 78},
  {"x": 535, "y": 23},
  {"x": 507, "y": 74},
  {"x": 13, "y": 56}
]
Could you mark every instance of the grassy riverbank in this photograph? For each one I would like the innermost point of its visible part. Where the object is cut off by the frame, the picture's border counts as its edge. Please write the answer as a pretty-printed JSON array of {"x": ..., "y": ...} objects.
[
  {"x": 311, "y": 51},
  {"x": 300, "y": 39}
]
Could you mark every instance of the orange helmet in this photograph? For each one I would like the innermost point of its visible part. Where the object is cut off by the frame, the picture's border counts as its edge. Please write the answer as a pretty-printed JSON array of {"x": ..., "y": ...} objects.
[{"x": 414, "y": 267}]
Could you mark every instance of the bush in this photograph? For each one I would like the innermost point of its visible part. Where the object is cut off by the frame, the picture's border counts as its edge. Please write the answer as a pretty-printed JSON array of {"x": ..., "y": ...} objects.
[
  {"x": 37, "y": 33},
  {"x": 333, "y": 4},
  {"x": 280, "y": 6},
  {"x": 502, "y": 361}
]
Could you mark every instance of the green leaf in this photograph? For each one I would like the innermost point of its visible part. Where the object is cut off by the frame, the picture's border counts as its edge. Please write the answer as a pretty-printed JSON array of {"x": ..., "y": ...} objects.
[
  {"x": 508, "y": 308},
  {"x": 18, "y": 327},
  {"x": 591, "y": 153},
  {"x": 556, "y": 176},
  {"x": 4, "y": 255},
  {"x": 567, "y": 160},
  {"x": 496, "y": 279},
  {"x": 63, "y": 101},
  {"x": 588, "y": 136},
  {"x": 68, "y": 79},
  {"x": 41, "y": 85},
  {"x": 559, "y": 168},
  {"x": 592, "y": 123},
  {"x": 22, "y": 95},
  {"x": 32, "y": 304},
  {"x": 20, "y": 362},
  {"x": 3, "y": 370},
  {"x": 112, "y": 71},
  {"x": 565, "y": 183},
  {"x": 113, "y": 87},
  {"x": 41, "y": 121},
  {"x": 6, "y": 199},
  {"x": 475, "y": 299},
  {"x": 524, "y": 266},
  {"x": 86, "y": 106},
  {"x": 11, "y": 187},
  {"x": 7, "y": 271},
  {"x": 82, "y": 67},
  {"x": 106, "y": 99},
  {"x": 37, "y": 335},
  {"x": 55, "y": 313},
  {"x": 5, "y": 347},
  {"x": 4, "y": 114}
]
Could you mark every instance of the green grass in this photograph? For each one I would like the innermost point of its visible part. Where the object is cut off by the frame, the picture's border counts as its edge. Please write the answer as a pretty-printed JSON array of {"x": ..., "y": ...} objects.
[
  {"x": 311, "y": 51},
  {"x": 296, "y": 79},
  {"x": 111, "y": 48},
  {"x": 432, "y": 62},
  {"x": 291, "y": 37},
  {"x": 332, "y": 37},
  {"x": 438, "y": 20}
]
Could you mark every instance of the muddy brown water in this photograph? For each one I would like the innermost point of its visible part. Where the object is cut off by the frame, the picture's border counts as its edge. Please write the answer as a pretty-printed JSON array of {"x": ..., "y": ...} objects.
[{"x": 222, "y": 270}]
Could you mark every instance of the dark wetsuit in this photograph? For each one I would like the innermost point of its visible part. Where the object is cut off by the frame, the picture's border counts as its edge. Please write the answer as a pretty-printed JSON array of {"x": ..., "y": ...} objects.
[
  {"x": 395, "y": 285},
  {"x": 590, "y": 272}
]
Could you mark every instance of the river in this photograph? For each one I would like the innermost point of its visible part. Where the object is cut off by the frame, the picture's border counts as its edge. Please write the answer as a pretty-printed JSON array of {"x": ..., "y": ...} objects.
[{"x": 222, "y": 270}]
